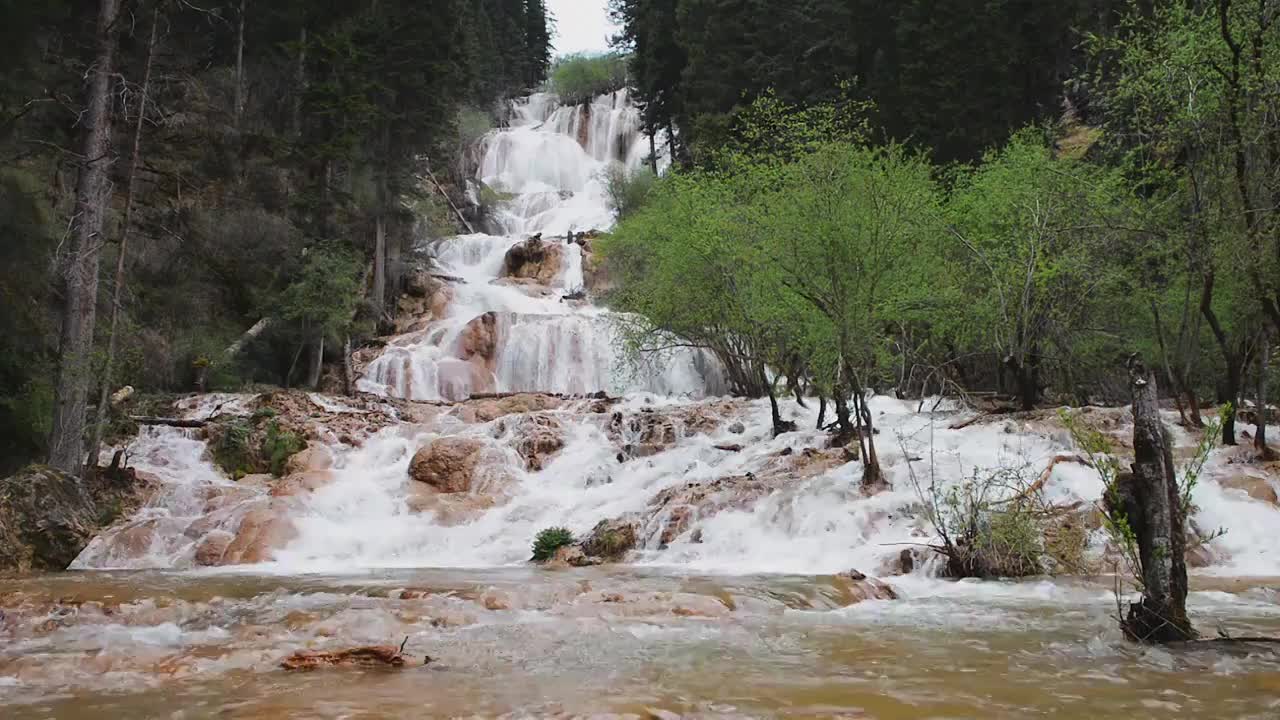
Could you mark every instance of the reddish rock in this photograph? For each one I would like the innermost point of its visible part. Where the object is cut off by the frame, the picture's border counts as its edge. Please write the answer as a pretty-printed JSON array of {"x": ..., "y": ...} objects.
[
  {"x": 1258, "y": 488},
  {"x": 448, "y": 464},
  {"x": 302, "y": 483},
  {"x": 480, "y": 338},
  {"x": 853, "y": 587},
  {"x": 212, "y": 548},
  {"x": 536, "y": 260},
  {"x": 536, "y": 437},
  {"x": 262, "y": 531},
  {"x": 315, "y": 456},
  {"x": 612, "y": 539}
]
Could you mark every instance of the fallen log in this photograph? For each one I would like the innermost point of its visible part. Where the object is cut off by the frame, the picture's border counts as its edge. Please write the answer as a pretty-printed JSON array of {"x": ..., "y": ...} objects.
[
  {"x": 1039, "y": 484},
  {"x": 371, "y": 656},
  {"x": 170, "y": 422}
]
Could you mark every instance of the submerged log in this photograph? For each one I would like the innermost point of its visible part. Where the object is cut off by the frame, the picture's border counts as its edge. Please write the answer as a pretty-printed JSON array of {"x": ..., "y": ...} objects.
[
  {"x": 1152, "y": 503},
  {"x": 170, "y": 422},
  {"x": 372, "y": 656}
]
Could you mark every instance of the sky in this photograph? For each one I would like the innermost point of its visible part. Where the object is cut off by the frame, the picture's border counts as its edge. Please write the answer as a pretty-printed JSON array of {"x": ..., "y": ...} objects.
[{"x": 581, "y": 25}]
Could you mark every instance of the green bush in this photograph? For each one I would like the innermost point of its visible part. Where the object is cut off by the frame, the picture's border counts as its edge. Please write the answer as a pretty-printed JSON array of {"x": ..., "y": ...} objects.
[
  {"x": 628, "y": 191},
  {"x": 231, "y": 451},
  {"x": 550, "y": 540},
  {"x": 580, "y": 78},
  {"x": 278, "y": 446}
]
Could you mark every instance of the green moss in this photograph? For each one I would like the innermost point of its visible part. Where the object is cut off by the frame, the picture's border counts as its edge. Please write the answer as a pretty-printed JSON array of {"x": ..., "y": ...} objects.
[
  {"x": 549, "y": 540},
  {"x": 278, "y": 446},
  {"x": 231, "y": 451}
]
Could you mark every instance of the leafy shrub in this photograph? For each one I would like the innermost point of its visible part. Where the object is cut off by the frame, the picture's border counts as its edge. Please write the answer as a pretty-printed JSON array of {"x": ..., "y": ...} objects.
[
  {"x": 580, "y": 78},
  {"x": 627, "y": 191},
  {"x": 278, "y": 446},
  {"x": 231, "y": 451},
  {"x": 549, "y": 540}
]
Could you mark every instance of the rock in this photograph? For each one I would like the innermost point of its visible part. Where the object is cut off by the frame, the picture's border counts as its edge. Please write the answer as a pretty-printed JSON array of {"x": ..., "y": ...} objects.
[
  {"x": 373, "y": 656},
  {"x": 536, "y": 260},
  {"x": 47, "y": 517},
  {"x": 737, "y": 428},
  {"x": 315, "y": 456},
  {"x": 536, "y": 437},
  {"x": 212, "y": 548},
  {"x": 610, "y": 540},
  {"x": 854, "y": 587},
  {"x": 489, "y": 409},
  {"x": 572, "y": 556},
  {"x": 448, "y": 464},
  {"x": 122, "y": 395},
  {"x": 480, "y": 338},
  {"x": 729, "y": 447},
  {"x": 301, "y": 483},
  {"x": 262, "y": 531},
  {"x": 1258, "y": 488},
  {"x": 420, "y": 283}
]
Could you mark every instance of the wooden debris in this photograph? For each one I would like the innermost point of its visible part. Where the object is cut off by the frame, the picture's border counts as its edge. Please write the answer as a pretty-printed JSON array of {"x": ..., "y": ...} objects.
[
  {"x": 171, "y": 422},
  {"x": 371, "y": 656}
]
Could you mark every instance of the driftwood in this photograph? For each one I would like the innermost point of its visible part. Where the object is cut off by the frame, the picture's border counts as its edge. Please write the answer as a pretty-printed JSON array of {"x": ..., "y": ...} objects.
[
  {"x": 170, "y": 422},
  {"x": 461, "y": 218},
  {"x": 1047, "y": 473},
  {"x": 258, "y": 328},
  {"x": 448, "y": 278},
  {"x": 371, "y": 656}
]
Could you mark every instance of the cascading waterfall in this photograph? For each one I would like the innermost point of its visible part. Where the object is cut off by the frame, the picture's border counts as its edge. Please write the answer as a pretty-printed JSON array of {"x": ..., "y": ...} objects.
[
  {"x": 551, "y": 163},
  {"x": 370, "y": 514}
]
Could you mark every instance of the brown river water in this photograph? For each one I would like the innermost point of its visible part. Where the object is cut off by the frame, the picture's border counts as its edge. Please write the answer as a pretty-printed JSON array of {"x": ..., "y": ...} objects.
[{"x": 629, "y": 642}]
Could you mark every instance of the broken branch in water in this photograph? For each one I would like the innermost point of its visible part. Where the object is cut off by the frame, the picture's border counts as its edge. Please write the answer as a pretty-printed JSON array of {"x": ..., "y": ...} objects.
[{"x": 171, "y": 422}]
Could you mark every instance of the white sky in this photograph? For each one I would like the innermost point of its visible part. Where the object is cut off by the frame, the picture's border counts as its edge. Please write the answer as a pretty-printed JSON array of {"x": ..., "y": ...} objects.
[{"x": 581, "y": 25}]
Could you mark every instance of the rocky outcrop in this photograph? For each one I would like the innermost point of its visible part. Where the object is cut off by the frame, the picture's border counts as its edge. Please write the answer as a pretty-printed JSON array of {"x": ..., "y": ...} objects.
[
  {"x": 447, "y": 464},
  {"x": 48, "y": 517},
  {"x": 536, "y": 260},
  {"x": 853, "y": 587},
  {"x": 611, "y": 540},
  {"x": 595, "y": 272},
  {"x": 1256, "y": 487},
  {"x": 479, "y": 339},
  {"x": 483, "y": 410},
  {"x": 537, "y": 437},
  {"x": 262, "y": 530}
]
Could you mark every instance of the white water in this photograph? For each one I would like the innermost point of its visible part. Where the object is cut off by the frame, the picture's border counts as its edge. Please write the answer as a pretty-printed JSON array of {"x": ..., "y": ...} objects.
[
  {"x": 556, "y": 186},
  {"x": 364, "y": 519}
]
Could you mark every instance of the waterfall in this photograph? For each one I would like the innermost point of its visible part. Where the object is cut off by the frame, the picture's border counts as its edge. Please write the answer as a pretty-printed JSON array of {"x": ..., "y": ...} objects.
[{"x": 549, "y": 164}]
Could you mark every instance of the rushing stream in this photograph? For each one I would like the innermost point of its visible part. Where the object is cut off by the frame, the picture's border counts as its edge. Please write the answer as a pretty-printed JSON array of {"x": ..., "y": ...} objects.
[{"x": 730, "y": 606}]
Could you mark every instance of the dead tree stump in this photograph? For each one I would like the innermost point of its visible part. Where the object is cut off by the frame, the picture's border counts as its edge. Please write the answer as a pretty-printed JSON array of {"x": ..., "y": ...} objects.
[{"x": 1153, "y": 506}]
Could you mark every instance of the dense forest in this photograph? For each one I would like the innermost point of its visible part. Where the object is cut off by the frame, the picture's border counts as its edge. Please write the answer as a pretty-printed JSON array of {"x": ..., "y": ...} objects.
[
  {"x": 1011, "y": 199},
  {"x": 213, "y": 194}
]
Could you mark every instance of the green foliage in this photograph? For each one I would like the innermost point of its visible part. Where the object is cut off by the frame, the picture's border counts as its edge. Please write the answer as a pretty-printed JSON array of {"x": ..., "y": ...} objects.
[
  {"x": 325, "y": 294},
  {"x": 627, "y": 191},
  {"x": 549, "y": 540},
  {"x": 581, "y": 78},
  {"x": 278, "y": 446},
  {"x": 232, "y": 450}
]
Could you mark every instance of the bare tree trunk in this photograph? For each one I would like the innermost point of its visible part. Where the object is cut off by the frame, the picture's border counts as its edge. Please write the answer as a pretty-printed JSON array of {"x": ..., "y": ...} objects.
[
  {"x": 872, "y": 476},
  {"x": 117, "y": 292},
  {"x": 239, "y": 93},
  {"x": 1264, "y": 368},
  {"x": 300, "y": 82},
  {"x": 348, "y": 373},
  {"x": 80, "y": 270},
  {"x": 822, "y": 411},
  {"x": 1153, "y": 506},
  {"x": 653, "y": 153},
  {"x": 317, "y": 363},
  {"x": 1168, "y": 368},
  {"x": 1234, "y": 361},
  {"x": 380, "y": 229}
]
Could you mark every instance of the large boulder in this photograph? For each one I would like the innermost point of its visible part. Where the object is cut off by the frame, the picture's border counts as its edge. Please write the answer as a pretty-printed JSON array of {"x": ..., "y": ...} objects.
[
  {"x": 536, "y": 260},
  {"x": 447, "y": 464},
  {"x": 479, "y": 338},
  {"x": 263, "y": 530},
  {"x": 1258, "y": 488},
  {"x": 536, "y": 437},
  {"x": 47, "y": 517},
  {"x": 611, "y": 540}
]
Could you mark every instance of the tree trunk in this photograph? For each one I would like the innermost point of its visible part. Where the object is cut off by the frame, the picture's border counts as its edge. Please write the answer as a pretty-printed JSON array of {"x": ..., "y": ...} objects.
[
  {"x": 117, "y": 292},
  {"x": 348, "y": 372},
  {"x": 317, "y": 363},
  {"x": 300, "y": 82},
  {"x": 1264, "y": 368},
  {"x": 239, "y": 90},
  {"x": 80, "y": 270},
  {"x": 872, "y": 476},
  {"x": 822, "y": 411},
  {"x": 653, "y": 153},
  {"x": 1230, "y": 396},
  {"x": 780, "y": 426},
  {"x": 380, "y": 229},
  {"x": 1230, "y": 393},
  {"x": 1156, "y": 516}
]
